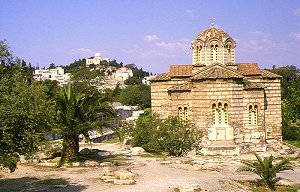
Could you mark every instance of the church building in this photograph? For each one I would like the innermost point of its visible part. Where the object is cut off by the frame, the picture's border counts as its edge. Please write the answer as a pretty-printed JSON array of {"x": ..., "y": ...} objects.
[{"x": 237, "y": 106}]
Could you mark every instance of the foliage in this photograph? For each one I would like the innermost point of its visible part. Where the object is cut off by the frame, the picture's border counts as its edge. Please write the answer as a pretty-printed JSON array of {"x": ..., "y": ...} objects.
[
  {"x": 138, "y": 75},
  {"x": 165, "y": 135},
  {"x": 178, "y": 137},
  {"x": 85, "y": 74},
  {"x": 136, "y": 95},
  {"x": 265, "y": 169},
  {"x": 26, "y": 113},
  {"x": 75, "y": 65},
  {"x": 290, "y": 84},
  {"x": 77, "y": 113},
  {"x": 146, "y": 133}
]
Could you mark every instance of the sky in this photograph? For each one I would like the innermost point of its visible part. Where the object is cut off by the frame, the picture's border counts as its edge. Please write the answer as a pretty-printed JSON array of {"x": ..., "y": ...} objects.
[{"x": 153, "y": 34}]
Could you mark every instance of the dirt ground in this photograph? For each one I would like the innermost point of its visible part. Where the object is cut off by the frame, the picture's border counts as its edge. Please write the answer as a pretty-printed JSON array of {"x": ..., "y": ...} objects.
[{"x": 152, "y": 174}]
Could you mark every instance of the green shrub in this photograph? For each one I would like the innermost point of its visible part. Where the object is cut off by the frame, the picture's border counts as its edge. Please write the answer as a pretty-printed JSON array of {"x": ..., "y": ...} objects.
[
  {"x": 178, "y": 137},
  {"x": 165, "y": 135}
]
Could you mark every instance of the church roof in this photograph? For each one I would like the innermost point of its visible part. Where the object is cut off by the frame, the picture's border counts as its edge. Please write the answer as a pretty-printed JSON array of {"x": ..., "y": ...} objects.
[
  {"x": 248, "y": 69},
  {"x": 181, "y": 70},
  {"x": 268, "y": 74},
  {"x": 217, "y": 71},
  {"x": 212, "y": 32},
  {"x": 162, "y": 77}
]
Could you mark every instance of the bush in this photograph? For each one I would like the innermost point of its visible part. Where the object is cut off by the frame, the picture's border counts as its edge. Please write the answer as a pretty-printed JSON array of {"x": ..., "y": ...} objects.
[
  {"x": 169, "y": 135},
  {"x": 145, "y": 133},
  {"x": 178, "y": 137}
]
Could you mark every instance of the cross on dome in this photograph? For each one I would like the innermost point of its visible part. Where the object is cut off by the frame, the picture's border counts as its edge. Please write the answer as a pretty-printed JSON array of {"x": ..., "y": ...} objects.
[{"x": 212, "y": 21}]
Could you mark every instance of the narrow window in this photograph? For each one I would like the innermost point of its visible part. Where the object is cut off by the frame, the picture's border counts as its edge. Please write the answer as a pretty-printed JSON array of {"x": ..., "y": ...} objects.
[
  {"x": 212, "y": 53},
  {"x": 250, "y": 115},
  {"x": 229, "y": 53},
  {"x": 216, "y": 53},
  {"x": 180, "y": 113},
  {"x": 214, "y": 113},
  {"x": 199, "y": 53},
  {"x": 225, "y": 113},
  {"x": 185, "y": 113},
  {"x": 253, "y": 115},
  {"x": 220, "y": 113}
]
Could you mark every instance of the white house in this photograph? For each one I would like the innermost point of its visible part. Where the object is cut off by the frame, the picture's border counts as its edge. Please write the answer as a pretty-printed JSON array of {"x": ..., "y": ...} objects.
[
  {"x": 56, "y": 74},
  {"x": 96, "y": 60}
]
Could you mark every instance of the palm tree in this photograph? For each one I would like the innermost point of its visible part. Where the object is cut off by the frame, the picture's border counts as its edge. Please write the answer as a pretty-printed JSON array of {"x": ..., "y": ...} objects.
[
  {"x": 265, "y": 169},
  {"x": 77, "y": 113}
]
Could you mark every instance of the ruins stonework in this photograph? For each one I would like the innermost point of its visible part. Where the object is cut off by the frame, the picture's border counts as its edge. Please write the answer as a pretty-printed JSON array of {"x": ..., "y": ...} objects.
[{"x": 237, "y": 106}]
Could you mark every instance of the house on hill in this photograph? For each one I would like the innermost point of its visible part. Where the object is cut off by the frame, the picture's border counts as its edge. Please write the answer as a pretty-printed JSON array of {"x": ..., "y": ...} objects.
[{"x": 237, "y": 106}]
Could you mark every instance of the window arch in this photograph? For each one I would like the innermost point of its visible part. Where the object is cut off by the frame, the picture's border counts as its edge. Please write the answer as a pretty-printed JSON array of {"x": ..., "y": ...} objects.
[
  {"x": 214, "y": 53},
  {"x": 220, "y": 113},
  {"x": 183, "y": 113},
  {"x": 199, "y": 53},
  {"x": 228, "y": 47},
  {"x": 252, "y": 114}
]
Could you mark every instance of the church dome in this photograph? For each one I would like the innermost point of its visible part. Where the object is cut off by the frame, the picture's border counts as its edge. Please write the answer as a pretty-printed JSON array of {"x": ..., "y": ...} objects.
[{"x": 211, "y": 33}]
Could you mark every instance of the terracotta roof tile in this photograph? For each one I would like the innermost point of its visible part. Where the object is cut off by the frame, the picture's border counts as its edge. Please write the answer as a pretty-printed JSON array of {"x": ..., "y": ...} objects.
[
  {"x": 162, "y": 77},
  {"x": 217, "y": 71},
  {"x": 181, "y": 70},
  {"x": 249, "y": 69},
  {"x": 268, "y": 74}
]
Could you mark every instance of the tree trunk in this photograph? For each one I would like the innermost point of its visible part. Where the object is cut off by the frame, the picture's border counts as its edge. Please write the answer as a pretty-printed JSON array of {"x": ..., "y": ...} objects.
[{"x": 70, "y": 148}]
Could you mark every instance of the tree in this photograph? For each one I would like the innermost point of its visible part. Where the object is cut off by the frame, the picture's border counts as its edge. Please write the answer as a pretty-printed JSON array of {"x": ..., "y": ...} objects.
[
  {"x": 136, "y": 95},
  {"x": 26, "y": 113},
  {"x": 77, "y": 113},
  {"x": 265, "y": 169},
  {"x": 52, "y": 66},
  {"x": 290, "y": 84}
]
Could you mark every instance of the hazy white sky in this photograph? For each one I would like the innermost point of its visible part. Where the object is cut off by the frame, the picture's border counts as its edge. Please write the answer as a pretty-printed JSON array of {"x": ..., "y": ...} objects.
[{"x": 151, "y": 33}]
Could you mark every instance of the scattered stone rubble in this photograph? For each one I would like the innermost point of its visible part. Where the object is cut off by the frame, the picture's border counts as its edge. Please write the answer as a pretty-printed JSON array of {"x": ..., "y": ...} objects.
[{"x": 118, "y": 177}]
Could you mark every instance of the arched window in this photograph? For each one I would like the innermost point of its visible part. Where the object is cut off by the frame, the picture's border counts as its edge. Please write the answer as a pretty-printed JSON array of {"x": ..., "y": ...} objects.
[
  {"x": 225, "y": 113},
  {"x": 214, "y": 112},
  {"x": 228, "y": 53},
  {"x": 199, "y": 53},
  {"x": 253, "y": 110},
  {"x": 214, "y": 52},
  {"x": 220, "y": 113},
  {"x": 183, "y": 113},
  {"x": 180, "y": 113}
]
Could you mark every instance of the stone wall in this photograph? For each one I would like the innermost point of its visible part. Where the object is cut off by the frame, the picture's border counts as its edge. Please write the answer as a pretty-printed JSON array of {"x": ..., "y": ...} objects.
[
  {"x": 238, "y": 132},
  {"x": 272, "y": 104}
]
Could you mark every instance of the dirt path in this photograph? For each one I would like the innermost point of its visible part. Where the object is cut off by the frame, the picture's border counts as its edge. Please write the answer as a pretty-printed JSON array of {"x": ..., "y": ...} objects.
[{"x": 152, "y": 176}]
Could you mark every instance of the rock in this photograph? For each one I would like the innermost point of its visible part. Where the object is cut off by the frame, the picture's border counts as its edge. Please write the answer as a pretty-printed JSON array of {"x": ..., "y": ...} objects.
[
  {"x": 189, "y": 188},
  {"x": 106, "y": 164},
  {"x": 76, "y": 164},
  {"x": 166, "y": 162},
  {"x": 124, "y": 175},
  {"x": 48, "y": 164},
  {"x": 124, "y": 182},
  {"x": 55, "y": 160},
  {"x": 284, "y": 182},
  {"x": 85, "y": 151},
  {"x": 103, "y": 153},
  {"x": 127, "y": 142},
  {"x": 91, "y": 163},
  {"x": 108, "y": 179},
  {"x": 109, "y": 171},
  {"x": 137, "y": 151}
]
